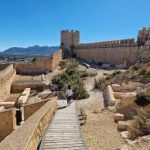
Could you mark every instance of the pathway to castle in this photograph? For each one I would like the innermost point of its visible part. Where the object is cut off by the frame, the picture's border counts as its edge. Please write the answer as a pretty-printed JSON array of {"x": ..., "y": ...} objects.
[
  {"x": 100, "y": 131},
  {"x": 64, "y": 131}
]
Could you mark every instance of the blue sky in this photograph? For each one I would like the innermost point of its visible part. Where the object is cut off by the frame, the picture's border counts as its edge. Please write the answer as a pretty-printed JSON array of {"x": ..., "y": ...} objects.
[{"x": 30, "y": 22}]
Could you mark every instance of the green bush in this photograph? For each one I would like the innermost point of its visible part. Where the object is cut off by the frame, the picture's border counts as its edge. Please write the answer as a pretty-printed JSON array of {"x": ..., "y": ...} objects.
[
  {"x": 68, "y": 64},
  {"x": 143, "y": 98},
  {"x": 92, "y": 74},
  {"x": 99, "y": 83},
  {"x": 82, "y": 73},
  {"x": 116, "y": 73},
  {"x": 72, "y": 76},
  {"x": 142, "y": 71},
  {"x": 145, "y": 73}
]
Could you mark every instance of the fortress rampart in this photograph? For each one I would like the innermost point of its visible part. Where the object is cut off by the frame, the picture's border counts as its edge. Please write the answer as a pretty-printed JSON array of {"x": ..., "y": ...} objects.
[
  {"x": 108, "y": 44},
  {"x": 115, "y": 52}
]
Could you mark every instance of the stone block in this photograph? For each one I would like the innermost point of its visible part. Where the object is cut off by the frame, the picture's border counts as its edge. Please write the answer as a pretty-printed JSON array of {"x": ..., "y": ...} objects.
[
  {"x": 123, "y": 125},
  {"x": 125, "y": 134},
  {"x": 7, "y": 104},
  {"x": 26, "y": 92},
  {"x": 118, "y": 117},
  {"x": 23, "y": 99},
  {"x": 27, "y": 89},
  {"x": 1, "y": 108}
]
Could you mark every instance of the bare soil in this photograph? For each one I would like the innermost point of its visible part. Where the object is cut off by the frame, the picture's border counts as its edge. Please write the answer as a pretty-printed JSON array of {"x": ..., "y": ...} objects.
[{"x": 100, "y": 131}]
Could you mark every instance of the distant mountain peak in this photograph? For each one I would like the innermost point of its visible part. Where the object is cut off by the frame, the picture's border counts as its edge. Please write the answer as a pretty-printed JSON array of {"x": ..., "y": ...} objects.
[{"x": 32, "y": 50}]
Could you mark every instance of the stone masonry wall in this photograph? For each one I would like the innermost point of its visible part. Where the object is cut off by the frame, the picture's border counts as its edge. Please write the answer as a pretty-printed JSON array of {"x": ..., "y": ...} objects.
[
  {"x": 111, "y": 55},
  {"x": 56, "y": 58},
  {"x": 7, "y": 76},
  {"x": 28, "y": 136},
  {"x": 30, "y": 109},
  {"x": 42, "y": 65},
  {"x": 7, "y": 122}
]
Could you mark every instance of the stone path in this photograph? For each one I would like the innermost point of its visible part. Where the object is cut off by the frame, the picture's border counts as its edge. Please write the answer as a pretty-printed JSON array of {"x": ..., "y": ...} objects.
[{"x": 64, "y": 130}]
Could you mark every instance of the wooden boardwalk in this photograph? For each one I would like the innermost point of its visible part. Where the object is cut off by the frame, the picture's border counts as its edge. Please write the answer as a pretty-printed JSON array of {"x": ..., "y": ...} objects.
[{"x": 64, "y": 131}]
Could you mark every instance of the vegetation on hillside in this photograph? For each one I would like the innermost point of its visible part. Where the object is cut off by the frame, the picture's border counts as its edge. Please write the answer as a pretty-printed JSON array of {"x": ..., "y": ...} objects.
[
  {"x": 102, "y": 82},
  {"x": 139, "y": 72},
  {"x": 74, "y": 76},
  {"x": 141, "y": 123}
]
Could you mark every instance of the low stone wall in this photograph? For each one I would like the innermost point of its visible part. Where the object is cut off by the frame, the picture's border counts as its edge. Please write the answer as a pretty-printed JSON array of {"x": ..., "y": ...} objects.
[
  {"x": 109, "y": 96},
  {"x": 19, "y": 86},
  {"x": 7, "y": 76},
  {"x": 131, "y": 86},
  {"x": 27, "y": 137},
  {"x": 7, "y": 123},
  {"x": 42, "y": 65},
  {"x": 30, "y": 109}
]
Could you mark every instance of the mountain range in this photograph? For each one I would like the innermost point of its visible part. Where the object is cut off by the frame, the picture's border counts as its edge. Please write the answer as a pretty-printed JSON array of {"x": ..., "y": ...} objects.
[{"x": 33, "y": 50}]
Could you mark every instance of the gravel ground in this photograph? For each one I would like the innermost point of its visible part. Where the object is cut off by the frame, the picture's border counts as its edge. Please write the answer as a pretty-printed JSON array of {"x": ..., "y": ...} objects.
[{"x": 100, "y": 131}]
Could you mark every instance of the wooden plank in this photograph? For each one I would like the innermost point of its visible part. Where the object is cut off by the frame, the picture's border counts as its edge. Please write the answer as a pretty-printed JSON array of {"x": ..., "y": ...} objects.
[{"x": 64, "y": 131}]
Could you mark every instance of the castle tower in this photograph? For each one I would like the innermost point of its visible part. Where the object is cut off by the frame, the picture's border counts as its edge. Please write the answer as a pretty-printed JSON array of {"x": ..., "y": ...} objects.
[
  {"x": 143, "y": 36},
  {"x": 68, "y": 40}
]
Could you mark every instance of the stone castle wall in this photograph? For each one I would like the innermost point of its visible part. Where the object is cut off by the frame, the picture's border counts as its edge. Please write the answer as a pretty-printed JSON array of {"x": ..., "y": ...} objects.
[
  {"x": 109, "y": 53},
  {"x": 41, "y": 65},
  {"x": 7, "y": 76},
  {"x": 112, "y": 52},
  {"x": 56, "y": 58}
]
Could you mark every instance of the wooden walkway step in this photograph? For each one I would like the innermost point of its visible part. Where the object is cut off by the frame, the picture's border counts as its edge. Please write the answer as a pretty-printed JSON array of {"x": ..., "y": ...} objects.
[{"x": 64, "y": 131}]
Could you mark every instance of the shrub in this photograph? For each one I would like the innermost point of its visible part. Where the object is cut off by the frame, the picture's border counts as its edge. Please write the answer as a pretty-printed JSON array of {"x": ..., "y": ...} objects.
[
  {"x": 142, "y": 100},
  {"x": 73, "y": 77},
  {"x": 142, "y": 71},
  {"x": 115, "y": 73},
  {"x": 70, "y": 71},
  {"x": 80, "y": 92},
  {"x": 140, "y": 125},
  {"x": 82, "y": 73},
  {"x": 92, "y": 74},
  {"x": 99, "y": 83},
  {"x": 68, "y": 64},
  {"x": 62, "y": 64}
]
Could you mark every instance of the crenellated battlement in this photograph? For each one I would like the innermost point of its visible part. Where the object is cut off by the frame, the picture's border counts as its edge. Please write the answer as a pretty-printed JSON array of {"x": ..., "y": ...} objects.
[
  {"x": 70, "y": 31},
  {"x": 109, "y": 44},
  {"x": 125, "y": 51}
]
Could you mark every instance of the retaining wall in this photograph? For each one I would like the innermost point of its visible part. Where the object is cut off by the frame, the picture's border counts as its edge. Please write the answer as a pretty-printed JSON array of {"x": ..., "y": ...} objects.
[
  {"x": 7, "y": 122},
  {"x": 19, "y": 86},
  {"x": 30, "y": 109},
  {"x": 27, "y": 136}
]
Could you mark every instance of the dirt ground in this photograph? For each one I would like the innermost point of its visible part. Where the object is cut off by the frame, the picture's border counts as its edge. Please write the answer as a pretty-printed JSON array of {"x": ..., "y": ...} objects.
[{"x": 100, "y": 131}]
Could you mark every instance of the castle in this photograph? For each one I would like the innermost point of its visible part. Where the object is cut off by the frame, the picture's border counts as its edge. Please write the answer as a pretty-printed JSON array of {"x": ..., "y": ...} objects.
[{"x": 115, "y": 52}]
